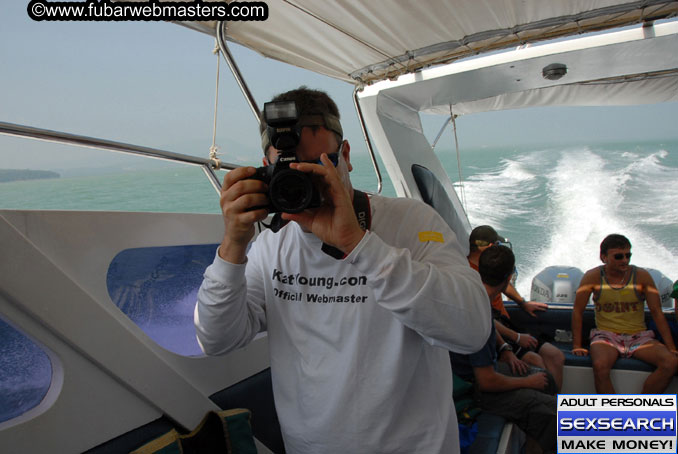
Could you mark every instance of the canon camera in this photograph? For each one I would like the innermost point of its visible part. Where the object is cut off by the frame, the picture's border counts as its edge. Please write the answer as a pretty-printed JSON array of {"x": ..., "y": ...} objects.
[{"x": 289, "y": 190}]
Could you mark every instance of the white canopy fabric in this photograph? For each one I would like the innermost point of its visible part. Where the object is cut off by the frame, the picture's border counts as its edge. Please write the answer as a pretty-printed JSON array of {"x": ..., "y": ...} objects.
[
  {"x": 629, "y": 67},
  {"x": 363, "y": 41}
]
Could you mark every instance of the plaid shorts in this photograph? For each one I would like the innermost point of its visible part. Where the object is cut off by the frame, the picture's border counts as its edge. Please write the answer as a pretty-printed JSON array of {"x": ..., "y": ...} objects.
[{"x": 626, "y": 344}]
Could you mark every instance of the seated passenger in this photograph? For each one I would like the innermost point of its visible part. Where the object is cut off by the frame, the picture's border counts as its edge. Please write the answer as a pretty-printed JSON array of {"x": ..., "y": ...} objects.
[
  {"x": 522, "y": 343},
  {"x": 526, "y": 399},
  {"x": 619, "y": 292}
]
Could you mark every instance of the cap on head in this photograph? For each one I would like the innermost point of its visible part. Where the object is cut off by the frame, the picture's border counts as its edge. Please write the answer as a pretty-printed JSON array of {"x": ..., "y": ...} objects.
[{"x": 483, "y": 235}]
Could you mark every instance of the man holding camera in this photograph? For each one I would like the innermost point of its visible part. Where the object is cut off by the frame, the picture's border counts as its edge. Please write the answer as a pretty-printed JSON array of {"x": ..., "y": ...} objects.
[{"x": 361, "y": 298}]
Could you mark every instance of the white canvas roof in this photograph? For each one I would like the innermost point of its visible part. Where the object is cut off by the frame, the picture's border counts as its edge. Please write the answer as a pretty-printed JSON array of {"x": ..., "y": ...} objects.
[
  {"x": 628, "y": 67},
  {"x": 366, "y": 41}
]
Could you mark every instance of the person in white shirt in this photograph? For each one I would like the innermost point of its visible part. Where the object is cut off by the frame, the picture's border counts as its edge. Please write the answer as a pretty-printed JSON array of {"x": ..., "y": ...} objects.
[{"x": 358, "y": 341}]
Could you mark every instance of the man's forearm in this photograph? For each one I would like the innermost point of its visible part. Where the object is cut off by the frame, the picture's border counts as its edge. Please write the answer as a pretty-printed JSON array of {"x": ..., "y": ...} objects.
[
  {"x": 664, "y": 330},
  {"x": 497, "y": 382},
  {"x": 576, "y": 330}
]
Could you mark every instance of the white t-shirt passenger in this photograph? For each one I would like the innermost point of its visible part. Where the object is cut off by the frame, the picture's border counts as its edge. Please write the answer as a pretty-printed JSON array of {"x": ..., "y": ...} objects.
[{"x": 358, "y": 346}]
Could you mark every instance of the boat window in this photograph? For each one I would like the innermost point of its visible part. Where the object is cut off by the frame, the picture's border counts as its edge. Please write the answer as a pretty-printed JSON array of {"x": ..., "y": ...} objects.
[
  {"x": 157, "y": 287},
  {"x": 121, "y": 182},
  {"x": 25, "y": 373},
  {"x": 522, "y": 173},
  {"x": 433, "y": 193},
  {"x": 363, "y": 176},
  {"x": 101, "y": 180},
  {"x": 145, "y": 83}
]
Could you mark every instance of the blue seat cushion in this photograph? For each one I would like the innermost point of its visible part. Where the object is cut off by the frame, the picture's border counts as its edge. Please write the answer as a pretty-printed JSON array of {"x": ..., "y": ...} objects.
[{"x": 490, "y": 428}]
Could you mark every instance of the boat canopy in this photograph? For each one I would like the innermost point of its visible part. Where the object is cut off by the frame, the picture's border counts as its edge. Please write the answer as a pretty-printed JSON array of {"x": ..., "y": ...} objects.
[
  {"x": 363, "y": 42},
  {"x": 628, "y": 67}
]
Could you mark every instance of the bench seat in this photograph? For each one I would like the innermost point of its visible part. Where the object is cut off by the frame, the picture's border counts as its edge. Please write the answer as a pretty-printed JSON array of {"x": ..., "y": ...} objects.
[
  {"x": 560, "y": 317},
  {"x": 490, "y": 428},
  {"x": 585, "y": 361}
]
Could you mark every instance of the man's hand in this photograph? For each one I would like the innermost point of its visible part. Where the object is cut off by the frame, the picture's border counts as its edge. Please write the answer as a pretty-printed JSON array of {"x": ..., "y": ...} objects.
[
  {"x": 527, "y": 341},
  {"x": 518, "y": 367},
  {"x": 533, "y": 306},
  {"x": 334, "y": 222},
  {"x": 238, "y": 196},
  {"x": 580, "y": 351},
  {"x": 537, "y": 381}
]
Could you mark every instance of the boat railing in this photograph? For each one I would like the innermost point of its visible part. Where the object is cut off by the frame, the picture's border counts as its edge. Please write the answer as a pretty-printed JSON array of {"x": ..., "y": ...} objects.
[
  {"x": 235, "y": 70},
  {"x": 221, "y": 30},
  {"x": 208, "y": 165},
  {"x": 368, "y": 142}
]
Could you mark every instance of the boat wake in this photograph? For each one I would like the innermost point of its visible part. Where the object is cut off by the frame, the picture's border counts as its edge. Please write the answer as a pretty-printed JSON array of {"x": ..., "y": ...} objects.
[{"x": 556, "y": 206}]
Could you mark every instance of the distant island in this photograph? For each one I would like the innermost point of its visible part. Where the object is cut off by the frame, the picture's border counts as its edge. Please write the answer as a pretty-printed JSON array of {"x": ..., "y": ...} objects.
[{"x": 7, "y": 175}]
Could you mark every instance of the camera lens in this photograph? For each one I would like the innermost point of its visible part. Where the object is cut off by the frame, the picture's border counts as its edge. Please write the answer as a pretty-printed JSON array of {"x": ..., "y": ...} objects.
[{"x": 291, "y": 191}]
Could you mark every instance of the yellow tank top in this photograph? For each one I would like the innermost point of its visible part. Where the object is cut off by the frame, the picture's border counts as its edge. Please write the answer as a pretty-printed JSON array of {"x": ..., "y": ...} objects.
[{"x": 622, "y": 310}]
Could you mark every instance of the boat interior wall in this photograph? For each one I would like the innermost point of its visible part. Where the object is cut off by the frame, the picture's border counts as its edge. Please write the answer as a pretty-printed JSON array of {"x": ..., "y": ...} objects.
[
  {"x": 579, "y": 380},
  {"x": 633, "y": 66},
  {"x": 398, "y": 135},
  {"x": 363, "y": 42},
  {"x": 107, "y": 372},
  {"x": 433, "y": 193},
  {"x": 254, "y": 393}
]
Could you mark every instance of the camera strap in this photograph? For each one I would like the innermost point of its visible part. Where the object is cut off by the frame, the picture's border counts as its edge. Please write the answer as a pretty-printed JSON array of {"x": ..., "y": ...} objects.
[
  {"x": 277, "y": 223},
  {"x": 361, "y": 206}
]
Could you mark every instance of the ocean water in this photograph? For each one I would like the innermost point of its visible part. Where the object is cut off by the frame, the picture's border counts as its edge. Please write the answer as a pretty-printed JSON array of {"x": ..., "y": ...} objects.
[{"x": 555, "y": 204}]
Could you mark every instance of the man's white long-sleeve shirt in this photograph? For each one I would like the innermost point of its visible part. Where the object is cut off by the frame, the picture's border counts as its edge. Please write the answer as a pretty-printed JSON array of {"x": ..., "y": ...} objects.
[{"x": 358, "y": 346}]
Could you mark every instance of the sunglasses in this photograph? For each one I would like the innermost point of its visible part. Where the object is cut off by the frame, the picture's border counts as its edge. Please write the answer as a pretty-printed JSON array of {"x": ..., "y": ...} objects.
[
  {"x": 621, "y": 256},
  {"x": 483, "y": 243}
]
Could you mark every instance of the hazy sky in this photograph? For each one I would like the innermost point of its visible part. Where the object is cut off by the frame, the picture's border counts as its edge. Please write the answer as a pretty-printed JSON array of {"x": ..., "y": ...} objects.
[{"x": 153, "y": 84}]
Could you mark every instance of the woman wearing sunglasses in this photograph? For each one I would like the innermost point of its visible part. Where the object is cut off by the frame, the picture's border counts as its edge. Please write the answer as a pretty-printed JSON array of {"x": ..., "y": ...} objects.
[{"x": 620, "y": 291}]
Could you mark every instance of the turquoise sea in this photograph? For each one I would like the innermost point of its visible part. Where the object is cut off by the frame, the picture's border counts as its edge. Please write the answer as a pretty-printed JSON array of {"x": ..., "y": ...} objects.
[{"x": 555, "y": 204}]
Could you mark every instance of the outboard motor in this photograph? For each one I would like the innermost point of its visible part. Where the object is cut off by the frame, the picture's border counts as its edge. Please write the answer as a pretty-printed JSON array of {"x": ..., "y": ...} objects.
[
  {"x": 557, "y": 284},
  {"x": 664, "y": 286}
]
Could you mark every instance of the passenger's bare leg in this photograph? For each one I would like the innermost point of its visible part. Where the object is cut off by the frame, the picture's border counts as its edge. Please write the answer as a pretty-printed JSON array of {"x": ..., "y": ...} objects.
[
  {"x": 554, "y": 361},
  {"x": 534, "y": 360},
  {"x": 603, "y": 357},
  {"x": 658, "y": 355}
]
